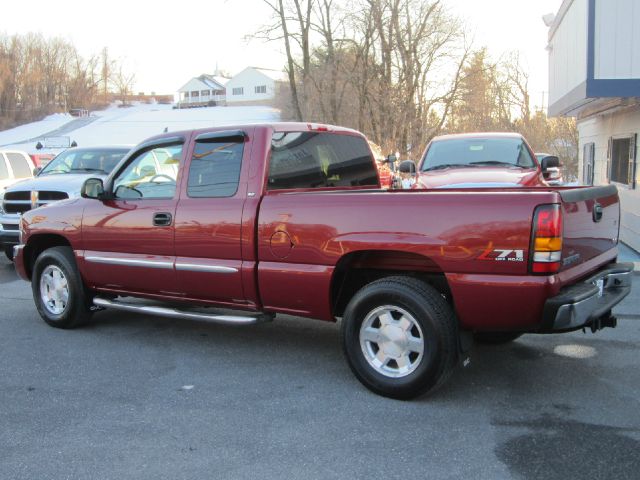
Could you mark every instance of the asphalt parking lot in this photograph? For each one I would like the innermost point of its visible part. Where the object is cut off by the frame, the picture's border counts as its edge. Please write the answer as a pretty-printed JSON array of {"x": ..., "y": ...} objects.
[{"x": 132, "y": 396}]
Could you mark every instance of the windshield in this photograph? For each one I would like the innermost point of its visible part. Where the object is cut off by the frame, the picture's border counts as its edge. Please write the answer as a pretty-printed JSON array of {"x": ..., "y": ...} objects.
[
  {"x": 84, "y": 161},
  {"x": 477, "y": 152}
]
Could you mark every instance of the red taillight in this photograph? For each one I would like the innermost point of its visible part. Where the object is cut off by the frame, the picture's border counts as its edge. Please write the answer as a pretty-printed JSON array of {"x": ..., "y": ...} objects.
[
  {"x": 546, "y": 245},
  {"x": 548, "y": 221}
]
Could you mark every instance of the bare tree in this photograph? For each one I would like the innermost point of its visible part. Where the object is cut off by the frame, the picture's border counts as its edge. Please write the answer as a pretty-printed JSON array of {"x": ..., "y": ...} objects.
[{"x": 123, "y": 82}]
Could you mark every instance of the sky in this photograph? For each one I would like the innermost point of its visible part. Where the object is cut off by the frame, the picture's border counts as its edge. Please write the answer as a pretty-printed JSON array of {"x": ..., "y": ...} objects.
[{"x": 166, "y": 43}]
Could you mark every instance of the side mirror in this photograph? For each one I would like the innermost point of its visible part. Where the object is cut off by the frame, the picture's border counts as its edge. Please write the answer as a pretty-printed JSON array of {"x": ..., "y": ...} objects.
[
  {"x": 39, "y": 146},
  {"x": 36, "y": 171},
  {"x": 391, "y": 158},
  {"x": 407, "y": 166},
  {"x": 92, "y": 188},
  {"x": 550, "y": 162},
  {"x": 74, "y": 144}
]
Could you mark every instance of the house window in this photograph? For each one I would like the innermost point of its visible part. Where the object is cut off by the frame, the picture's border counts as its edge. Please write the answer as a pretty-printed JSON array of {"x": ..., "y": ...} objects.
[
  {"x": 195, "y": 94},
  {"x": 622, "y": 157},
  {"x": 204, "y": 93},
  {"x": 588, "y": 163},
  {"x": 238, "y": 91},
  {"x": 261, "y": 89}
]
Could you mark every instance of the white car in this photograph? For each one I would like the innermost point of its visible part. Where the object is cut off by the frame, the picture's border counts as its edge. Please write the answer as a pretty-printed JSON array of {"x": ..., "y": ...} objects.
[{"x": 14, "y": 166}]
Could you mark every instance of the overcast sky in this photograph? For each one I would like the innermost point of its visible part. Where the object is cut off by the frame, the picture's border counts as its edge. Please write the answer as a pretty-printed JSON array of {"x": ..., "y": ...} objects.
[{"x": 168, "y": 43}]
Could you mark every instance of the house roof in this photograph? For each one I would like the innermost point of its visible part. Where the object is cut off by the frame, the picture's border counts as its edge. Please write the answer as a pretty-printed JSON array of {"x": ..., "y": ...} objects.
[
  {"x": 277, "y": 75},
  {"x": 214, "y": 82}
]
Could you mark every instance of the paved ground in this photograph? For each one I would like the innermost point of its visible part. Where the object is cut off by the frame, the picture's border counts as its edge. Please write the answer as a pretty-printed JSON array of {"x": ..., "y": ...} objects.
[{"x": 136, "y": 397}]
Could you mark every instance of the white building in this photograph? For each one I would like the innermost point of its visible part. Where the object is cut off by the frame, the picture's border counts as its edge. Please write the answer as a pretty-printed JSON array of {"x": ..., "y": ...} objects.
[
  {"x": 203, "y": 90},
  {"x": 253, "y": 86},
  {"x": 594, "y": 75}
]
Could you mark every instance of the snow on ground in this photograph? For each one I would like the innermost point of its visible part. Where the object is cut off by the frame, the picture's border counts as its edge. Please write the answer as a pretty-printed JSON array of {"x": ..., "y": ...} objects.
[
  {"x": 129, "y": 126},
  {"x": 31, "y": 130}
]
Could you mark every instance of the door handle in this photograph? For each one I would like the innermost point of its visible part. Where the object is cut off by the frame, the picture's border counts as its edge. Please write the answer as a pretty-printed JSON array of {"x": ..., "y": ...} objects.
[{"x": 162, "y": 219}]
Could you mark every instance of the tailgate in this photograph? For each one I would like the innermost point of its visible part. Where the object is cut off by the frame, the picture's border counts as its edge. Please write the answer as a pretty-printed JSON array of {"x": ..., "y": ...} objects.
[{"x": 591, "y": 220}]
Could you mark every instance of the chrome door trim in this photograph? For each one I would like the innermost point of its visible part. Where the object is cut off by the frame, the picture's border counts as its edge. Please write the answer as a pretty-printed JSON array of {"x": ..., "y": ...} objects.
[
  {"x": 194, "y": 267},
  {"x": 130, "y": 262}
]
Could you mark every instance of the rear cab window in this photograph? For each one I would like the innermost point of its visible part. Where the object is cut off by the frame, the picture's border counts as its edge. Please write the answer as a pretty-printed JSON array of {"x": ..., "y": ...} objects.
[{"x": 307, "y": 160}]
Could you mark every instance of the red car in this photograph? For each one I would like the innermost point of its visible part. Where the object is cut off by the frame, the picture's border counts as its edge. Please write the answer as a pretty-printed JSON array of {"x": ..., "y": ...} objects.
[
  {"x": 290, "y": 218},
  {"x": 474, "y": 160}
]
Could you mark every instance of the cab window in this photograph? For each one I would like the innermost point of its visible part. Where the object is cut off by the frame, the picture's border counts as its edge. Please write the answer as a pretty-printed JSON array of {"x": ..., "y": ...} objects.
[
  {"x": 215, "y": 169},
  {"x": 19, "y": 165},
  {"x": 320, "y": 160},
  {"x": 151, "y": 174}
]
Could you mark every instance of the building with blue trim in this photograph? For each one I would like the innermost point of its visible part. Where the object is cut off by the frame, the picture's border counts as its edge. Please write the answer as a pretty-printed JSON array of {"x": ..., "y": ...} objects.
[{"x": 594, "y": 75}]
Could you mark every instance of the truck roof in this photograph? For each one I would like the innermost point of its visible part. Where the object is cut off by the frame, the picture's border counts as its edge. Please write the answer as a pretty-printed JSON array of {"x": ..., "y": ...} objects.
[
  {"x": 276, "y": 126},
  {"x": 477, "y": 135}
]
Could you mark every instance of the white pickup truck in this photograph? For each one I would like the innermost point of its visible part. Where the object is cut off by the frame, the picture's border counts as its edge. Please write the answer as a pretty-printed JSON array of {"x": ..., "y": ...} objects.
[{"x": 60, "y": 179}]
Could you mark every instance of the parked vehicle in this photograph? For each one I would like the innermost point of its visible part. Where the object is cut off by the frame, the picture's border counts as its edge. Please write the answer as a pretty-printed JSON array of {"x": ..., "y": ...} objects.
[
  {"x": 290, "y": 218},
  {"x": 473, "y": 160},
  {"x": 14, "y": 166},
  {"x": 41, "y": 159},
  {"x": 59, "y": 179}
]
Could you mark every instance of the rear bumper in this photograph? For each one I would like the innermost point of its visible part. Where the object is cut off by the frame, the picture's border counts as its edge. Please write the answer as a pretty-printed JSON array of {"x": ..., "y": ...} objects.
[{"x": 582, "y": 304}]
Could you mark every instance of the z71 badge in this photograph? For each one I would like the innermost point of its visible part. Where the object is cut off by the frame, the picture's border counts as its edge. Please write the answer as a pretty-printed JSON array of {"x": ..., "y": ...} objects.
[{"x": 502, "y": 255}]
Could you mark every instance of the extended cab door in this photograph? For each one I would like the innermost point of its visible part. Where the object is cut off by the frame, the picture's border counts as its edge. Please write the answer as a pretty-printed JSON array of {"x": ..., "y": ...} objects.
[
  {"x": 209, "y": 218},
  {"x": 129, "y": 240}
]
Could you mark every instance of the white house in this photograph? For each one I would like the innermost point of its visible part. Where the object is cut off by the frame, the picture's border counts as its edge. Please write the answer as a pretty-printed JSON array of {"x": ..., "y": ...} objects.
[
  {"x": 253, "y": 85},
  {"x": 594, "y": 75},
  {"x": 203, "y": 90}
]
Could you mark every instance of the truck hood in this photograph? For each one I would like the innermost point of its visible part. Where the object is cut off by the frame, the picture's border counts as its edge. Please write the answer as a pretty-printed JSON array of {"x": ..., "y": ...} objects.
[
  {"x": 477, "y": 177},
  {"x": 64, "y": 182}
]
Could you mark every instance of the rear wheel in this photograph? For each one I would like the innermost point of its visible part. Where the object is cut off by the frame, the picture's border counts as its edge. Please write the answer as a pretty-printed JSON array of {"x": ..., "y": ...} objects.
[
  {"x": 400, "y": 337},
  {"x": 8, "y": 251},
  {"x": 58, "y": 290},
  {"x": 495, "y": 338}
]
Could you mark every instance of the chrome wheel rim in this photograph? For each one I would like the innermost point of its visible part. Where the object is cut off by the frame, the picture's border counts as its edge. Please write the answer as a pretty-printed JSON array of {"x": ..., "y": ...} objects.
[
  {"x": 392, "y": 341},
  {"x": 54, "y": 290}
]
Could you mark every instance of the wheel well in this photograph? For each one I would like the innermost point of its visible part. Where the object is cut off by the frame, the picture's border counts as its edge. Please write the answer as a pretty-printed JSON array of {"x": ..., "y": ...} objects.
[
  {"x": 354, "y": 270},
  {"x": 38, "y": 244}
]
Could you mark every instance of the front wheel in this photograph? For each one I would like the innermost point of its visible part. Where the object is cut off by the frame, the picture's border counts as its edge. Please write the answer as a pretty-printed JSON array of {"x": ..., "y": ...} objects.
[
  {"x": 400, "y": 337},
  {"x": 58, "y": 290}
]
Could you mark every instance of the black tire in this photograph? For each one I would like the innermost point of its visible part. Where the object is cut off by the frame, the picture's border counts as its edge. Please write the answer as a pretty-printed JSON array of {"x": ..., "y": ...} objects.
[
  {"x": 495, "y": 338},
  {"x": 76, "y": 309},
  {"x": 8, "y": 251},
  {"x": 435, "y": 323}
]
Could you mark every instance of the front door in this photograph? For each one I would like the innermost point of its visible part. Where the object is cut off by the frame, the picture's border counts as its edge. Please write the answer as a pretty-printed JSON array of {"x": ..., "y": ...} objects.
[{"x": 129, "y": 240}]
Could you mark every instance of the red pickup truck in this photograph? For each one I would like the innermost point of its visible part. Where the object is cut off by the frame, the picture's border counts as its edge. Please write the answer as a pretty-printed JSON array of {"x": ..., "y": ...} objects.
[
  {"x": 471, "y": 160},
  {"x": 290, "y": 218}
]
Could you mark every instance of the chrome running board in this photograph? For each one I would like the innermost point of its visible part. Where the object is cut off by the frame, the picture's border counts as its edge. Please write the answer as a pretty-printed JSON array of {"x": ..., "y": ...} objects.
[{"x": 248, "y": 319}]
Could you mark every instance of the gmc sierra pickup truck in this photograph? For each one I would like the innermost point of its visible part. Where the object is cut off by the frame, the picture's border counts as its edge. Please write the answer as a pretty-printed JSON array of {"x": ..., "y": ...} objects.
[{"x": 290, "y": 218}]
